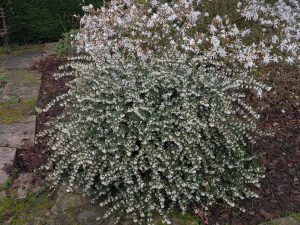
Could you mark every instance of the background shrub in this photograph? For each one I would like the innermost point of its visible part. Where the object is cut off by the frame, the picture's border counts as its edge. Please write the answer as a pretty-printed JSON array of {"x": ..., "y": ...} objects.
[
  {"x": 34, "y": 21},
  {"x": 64, "y": 46}
]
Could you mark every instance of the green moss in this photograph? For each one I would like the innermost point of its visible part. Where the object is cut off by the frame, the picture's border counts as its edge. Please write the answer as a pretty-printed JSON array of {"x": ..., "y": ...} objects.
[
  {"x": 3, "y": 81},
  {"x": 24, "y": 78},
  {"x": 15, "y": 111},
  {"x": 71, "y": 215},
  {"x": 6, "y": 184},
  {"x": 296, "y": 216},
  {"x": 22, "y": 211},
  {"x": 183, "y": 219},
  {"x": 19, "y": 49},
  {"x": 186, "y": 219},
  {"x": 29, "y": 78}
]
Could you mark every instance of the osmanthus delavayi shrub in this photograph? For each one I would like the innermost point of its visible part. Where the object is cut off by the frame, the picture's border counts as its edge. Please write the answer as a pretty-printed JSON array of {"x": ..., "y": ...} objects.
[
  {"x": 156, "y": 117},
  {"x": 149, "y": 136}
]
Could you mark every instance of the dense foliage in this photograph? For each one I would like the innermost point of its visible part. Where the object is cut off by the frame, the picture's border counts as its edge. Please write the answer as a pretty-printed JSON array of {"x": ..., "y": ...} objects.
[
  {"x": 151, "y": 135},
  {"x": 32, "y": 21},
  {"x": 64, "y": 46},
  {"x": 156, "y": 116}
]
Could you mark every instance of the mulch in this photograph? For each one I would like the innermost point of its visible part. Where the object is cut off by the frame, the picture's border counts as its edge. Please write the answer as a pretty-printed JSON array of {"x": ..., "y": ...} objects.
[
  {"x": 279, "y": 154},
  {"x": 28, "y": 160}
]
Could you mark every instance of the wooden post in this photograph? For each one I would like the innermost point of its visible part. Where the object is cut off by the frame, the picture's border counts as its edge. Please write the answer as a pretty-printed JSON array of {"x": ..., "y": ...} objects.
[{"x": 4, "y": 29}]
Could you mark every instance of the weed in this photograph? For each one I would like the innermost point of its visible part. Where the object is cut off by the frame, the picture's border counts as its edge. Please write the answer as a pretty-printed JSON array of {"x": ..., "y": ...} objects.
[
  {"x": 3, "y": 81},
  {"x": 296, "y": 216},
  {"x": 6, "y": 185},
  {"x": 19, "y": 211},
  {"x": 14, "y": 111},
  {"x": 285, "y": 146}
]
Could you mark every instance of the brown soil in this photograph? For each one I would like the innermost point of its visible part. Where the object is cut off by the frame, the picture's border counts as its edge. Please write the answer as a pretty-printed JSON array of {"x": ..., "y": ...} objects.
[
  {"x": 279, "y": 193},
  {"x": 28, "y": 160}
]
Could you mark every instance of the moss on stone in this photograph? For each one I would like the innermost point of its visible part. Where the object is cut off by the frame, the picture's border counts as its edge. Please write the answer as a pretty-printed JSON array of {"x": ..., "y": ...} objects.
[
  {"x": 15, "y": 111},
  {"x": 29, "y": 77},
  {"x": 19, "y": 49},
  {"x": 296, "y": 216},
  {"x": 183, "y": 219},
  {"x": 6, "y": 185},
  {"x": 186, "y": 219},
  {"x": 25, "y": 78},
  {"x": 3, "y": 81},
  {"x": 273, "y": 223},
  {"x": 22, "y": 211}
]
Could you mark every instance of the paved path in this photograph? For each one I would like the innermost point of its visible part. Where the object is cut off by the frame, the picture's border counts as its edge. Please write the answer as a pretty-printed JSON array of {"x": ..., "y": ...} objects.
[{"x": 17, "y": 104}]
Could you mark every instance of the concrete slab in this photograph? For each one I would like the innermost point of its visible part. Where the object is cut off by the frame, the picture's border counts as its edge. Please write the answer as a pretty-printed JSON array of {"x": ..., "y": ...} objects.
[
  {"x": 24, "y": 183},
  {"x": 7, "y": 156},
  {"x": 50, "y": 48},
  {"x": 21, "y": 59},
  {"x": 19, "y": 134},
  {"x": 282, "y": 221},
  {"x": 21, "y": 84}
]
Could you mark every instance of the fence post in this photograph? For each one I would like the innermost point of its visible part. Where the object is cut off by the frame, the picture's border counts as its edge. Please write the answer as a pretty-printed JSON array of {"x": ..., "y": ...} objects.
[{"x": 4, "y": 29}]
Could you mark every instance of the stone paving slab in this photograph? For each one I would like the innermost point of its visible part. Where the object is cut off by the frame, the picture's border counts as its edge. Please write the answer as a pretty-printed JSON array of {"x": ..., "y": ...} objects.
[
  {"x": 7, "y": 156},
  {"x": 21, "y": 84},
  {"x": 20, "y": 60},
  {"x": 283, "y": 221},
  {"x": 18, "y": 101},
  {"x": 50, "y": 49},
  {"x": 19, "y": 134}
]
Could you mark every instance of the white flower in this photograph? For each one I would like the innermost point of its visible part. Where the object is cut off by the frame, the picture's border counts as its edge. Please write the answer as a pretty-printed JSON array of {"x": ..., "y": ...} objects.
[
  {"x": 259, "y": 93},
  {"x": 267, "y": 59},
  {"x": 172, "y": 42},
  {"x": 215, "y": 41},
  {"x": 275, "y": 39},
  {"x": 172, "y": 17},
  {"x": 212, "y": 29},
  {"x": 195, "y": 15},
  {"x": 289, "y": 60}
]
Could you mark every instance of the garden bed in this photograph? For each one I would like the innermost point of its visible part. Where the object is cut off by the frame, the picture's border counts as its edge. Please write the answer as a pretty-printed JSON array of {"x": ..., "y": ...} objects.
[
  {"x": 31, "y": 159},
  {"x": 279, "y": 193},
  {"x": 279, "y": 154}
]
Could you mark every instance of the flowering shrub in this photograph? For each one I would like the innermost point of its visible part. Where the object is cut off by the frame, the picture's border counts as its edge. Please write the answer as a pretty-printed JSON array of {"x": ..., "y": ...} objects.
[
  {"x": 151, "y": 135},
  {"x": 155, "y": 116},
  {"x": 253, "y": 34}
]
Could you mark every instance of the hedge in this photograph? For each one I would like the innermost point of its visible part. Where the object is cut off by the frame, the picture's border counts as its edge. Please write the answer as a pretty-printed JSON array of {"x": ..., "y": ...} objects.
[{"x": 37, "y": 21}]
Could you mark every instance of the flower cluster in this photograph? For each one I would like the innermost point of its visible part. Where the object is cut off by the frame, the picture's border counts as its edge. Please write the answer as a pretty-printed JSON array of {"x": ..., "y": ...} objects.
[
  {"x": 253, "y": 34},
  {"x": 282, "y": 17}
]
